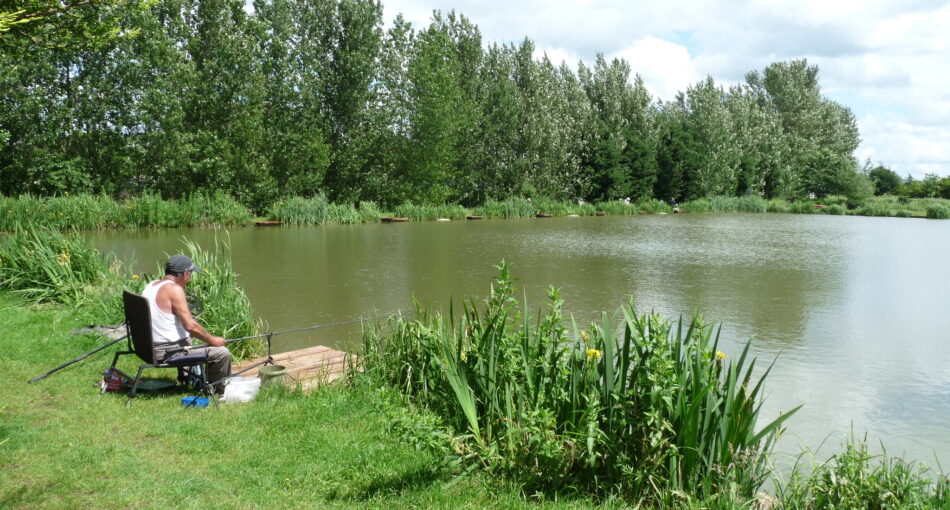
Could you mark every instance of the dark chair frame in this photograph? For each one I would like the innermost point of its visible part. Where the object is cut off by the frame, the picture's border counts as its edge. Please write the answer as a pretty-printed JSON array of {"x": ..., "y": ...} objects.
[{"x": 138, "y": 320}]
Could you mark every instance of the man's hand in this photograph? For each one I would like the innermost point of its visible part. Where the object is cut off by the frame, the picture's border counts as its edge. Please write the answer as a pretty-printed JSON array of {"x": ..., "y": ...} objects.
[{"x": 215, "y": 341}]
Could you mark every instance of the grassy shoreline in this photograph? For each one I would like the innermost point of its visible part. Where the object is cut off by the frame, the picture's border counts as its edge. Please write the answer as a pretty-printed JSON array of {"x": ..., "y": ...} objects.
[
  {"x": 62, "y": 445},
  {"x": 96, "y": 212}
]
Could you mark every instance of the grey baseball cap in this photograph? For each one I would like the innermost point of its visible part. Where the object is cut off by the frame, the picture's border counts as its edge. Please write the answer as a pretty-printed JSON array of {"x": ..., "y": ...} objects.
[{"x": 180, "y": 263}]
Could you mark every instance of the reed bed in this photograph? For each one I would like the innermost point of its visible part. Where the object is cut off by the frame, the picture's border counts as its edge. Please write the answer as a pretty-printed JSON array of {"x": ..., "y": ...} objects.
[
  {"x": 320, "y": 211},
  {"x": 750, "y": 204},
  {"x": 430, "y": 212},
  {"x": 563, "y": 208},
  {"x": 645, "y": 411},
  {"x": 619, "y": 208},
  {"x": 836, "y": 210},
  {"x": 515, "y": 207},
  {"x": 369, "y": 211},
  {"x": 91, "y": 212},
  {"x": 653, "y": 206}
]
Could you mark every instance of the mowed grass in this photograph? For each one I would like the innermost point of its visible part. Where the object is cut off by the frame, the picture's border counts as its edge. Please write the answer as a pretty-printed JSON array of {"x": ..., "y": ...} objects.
[{"x": 62, "y": 445}]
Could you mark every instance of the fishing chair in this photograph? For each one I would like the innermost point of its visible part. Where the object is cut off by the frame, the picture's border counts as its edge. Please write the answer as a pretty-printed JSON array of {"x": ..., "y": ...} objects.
[{"x": 138, "y": 320}]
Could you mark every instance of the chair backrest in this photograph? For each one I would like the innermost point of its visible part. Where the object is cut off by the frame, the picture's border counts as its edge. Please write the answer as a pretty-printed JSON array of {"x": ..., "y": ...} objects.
[{"x": 138, "y": 320}]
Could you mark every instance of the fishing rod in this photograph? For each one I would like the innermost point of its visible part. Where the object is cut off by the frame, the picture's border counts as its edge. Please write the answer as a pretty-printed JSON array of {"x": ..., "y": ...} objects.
[
  {"x": 78, "y": 359},
  {"x": 268, "y": 335},
  {"x": 308, "y": 328}
]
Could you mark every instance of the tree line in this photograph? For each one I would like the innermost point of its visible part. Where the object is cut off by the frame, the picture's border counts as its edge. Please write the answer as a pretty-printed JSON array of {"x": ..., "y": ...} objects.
[{"x": 308, "y": 97}]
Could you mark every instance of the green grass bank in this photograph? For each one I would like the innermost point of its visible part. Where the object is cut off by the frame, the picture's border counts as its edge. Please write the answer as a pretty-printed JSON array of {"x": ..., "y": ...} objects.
[{"x": 62, "y": 445}]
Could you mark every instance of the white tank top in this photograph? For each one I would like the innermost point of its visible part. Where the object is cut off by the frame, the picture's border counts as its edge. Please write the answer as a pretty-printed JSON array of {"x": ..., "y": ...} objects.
[{"x": 166, "y": 328}]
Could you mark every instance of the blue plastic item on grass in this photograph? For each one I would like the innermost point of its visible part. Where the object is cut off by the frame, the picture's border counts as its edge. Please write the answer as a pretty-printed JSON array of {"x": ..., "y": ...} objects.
[{"x": 194, "y": 402}]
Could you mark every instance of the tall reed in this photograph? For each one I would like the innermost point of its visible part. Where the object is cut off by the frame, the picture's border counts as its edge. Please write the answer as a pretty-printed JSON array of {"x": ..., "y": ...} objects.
[
  {"x": 430, "y": 212},
  {"x": 751, "y": 204},
  {"x": 89, "y": 212},
  {"x": 47, "y": 265},
  {"x": 319, "y": 211},
  {"x": 646, "y": 410},
  {"x": 514, "y": 207}
]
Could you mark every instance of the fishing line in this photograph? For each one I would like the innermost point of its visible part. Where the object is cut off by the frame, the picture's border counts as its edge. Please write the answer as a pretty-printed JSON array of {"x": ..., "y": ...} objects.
[{"x": 308, "y": 328}]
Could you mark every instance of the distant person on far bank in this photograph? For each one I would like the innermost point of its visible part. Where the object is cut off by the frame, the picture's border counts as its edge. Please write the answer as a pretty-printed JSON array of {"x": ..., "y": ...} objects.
[{"x": 172, "y": 323}]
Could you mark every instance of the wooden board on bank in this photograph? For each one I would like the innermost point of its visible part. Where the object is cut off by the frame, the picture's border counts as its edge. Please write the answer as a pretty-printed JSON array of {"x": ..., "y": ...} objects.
[{"x": 308, "y": 367}]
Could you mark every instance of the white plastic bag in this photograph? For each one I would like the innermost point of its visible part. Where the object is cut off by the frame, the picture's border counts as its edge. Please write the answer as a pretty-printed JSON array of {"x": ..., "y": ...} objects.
[{"x": 241, "y": 389}]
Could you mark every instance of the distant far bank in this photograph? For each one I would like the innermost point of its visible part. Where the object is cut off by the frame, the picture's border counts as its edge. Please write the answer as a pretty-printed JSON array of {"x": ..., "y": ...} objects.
[{"x": 97, "y": 212}]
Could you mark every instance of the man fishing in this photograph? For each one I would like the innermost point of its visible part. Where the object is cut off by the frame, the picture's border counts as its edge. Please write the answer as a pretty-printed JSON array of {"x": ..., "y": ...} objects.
[{"x": 173, "y": 325}]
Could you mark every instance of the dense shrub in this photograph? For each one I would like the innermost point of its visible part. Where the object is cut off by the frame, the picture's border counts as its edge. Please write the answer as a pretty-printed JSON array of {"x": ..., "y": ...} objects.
[{"x": 938, "y": 212}]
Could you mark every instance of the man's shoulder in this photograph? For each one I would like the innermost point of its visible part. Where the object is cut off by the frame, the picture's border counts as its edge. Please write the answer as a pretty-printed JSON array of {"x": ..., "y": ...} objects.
[{"x": 171, "y": 289}]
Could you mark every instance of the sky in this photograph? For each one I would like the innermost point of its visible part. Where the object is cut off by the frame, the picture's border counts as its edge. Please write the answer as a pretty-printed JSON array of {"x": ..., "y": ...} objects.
[{"x": 888, "y": 61}]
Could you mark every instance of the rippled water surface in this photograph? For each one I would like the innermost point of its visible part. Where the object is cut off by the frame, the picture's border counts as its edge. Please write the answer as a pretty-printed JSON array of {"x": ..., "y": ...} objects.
[{"x": 854, "y": 310}]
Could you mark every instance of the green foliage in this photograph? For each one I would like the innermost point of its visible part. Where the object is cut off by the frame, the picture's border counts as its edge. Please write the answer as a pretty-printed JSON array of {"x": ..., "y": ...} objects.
[
  {"x": 307, "y": 98},
  {"x": 31, "y": 23},
  {"x": 855, "y": 478},
  {"x": 873, "y": 209},
  {"x": 653, "y": 206},
  {"x": 621, "y": 207},
  {"x": 778, "y": 206},
  {"x": 819, "y": 136},
  {"x": 931, "y": 186},
  {"x": 648, "y": 412},
  {"x": 885, "y": 180},
  {"x": 938, "y": 212},
  {"x": 369, "y": 211},
  {"x": 836, "y": 210}
]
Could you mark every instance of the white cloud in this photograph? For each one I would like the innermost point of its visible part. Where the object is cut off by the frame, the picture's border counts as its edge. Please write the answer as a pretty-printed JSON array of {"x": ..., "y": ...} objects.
[
  {"x": 557, "y": 56},
  {"x": 888, "y": 61},
  {"x": 666, "y": 68},
  {"x": 905, "y": 147}
]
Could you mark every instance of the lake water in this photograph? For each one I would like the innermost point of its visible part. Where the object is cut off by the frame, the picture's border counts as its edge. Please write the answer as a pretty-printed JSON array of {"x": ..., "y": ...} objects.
[{"x": 853, "y": 309}]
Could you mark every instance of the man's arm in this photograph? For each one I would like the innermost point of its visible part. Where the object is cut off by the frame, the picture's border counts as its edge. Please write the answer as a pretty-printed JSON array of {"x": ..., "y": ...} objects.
[{"x": 180, "y": 309}]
